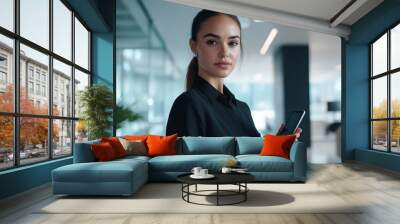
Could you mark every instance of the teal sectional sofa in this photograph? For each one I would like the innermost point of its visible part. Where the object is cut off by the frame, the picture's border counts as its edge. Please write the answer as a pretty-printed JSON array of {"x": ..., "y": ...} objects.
[{"x": 125, "y": 176}]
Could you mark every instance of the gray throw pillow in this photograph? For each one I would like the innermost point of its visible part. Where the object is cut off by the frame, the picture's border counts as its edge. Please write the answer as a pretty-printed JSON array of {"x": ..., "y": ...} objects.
[{"x": 134, "y": 147}]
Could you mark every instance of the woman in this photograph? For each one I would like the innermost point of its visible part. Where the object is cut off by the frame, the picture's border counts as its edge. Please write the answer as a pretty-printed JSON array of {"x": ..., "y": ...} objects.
[{"x": 208, "y": 107}]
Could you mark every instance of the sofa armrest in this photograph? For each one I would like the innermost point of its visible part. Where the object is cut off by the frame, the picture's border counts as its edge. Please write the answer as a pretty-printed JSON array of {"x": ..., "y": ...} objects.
[
  {"x": 298, "y": 155},
  {"x": 83, "y": 152}
]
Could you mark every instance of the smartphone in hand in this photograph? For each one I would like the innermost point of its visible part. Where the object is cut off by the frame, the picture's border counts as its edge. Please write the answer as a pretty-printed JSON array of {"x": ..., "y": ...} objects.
[{"x": 291, "y": 124}]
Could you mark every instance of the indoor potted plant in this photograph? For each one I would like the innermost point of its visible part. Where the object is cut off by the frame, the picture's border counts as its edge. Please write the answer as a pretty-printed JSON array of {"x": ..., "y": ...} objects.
[{"x": 96, "y": 102}]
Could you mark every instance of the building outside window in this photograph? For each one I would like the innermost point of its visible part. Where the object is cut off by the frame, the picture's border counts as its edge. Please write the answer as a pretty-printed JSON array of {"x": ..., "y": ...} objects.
[
  {"x": 3, "y": 78},
  {"x": 37, "y": 75},
  {"x": 30, "y": 87},
  {"x": 55, "y": 96},
  {"x": 3, "y": 61},
  {"x": 43, "y": 77},
  {"x": 43, "y": 90},
  {"x": 38, "y": 89},
  {"x": 30, "y": 72},
  {"x": 3, "y": 72}
]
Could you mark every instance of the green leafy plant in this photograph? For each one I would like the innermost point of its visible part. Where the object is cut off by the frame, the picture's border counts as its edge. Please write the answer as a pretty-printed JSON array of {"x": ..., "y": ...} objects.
[
  {"x": 126, "y": 114},
  {"x": 96, "y": 102}
]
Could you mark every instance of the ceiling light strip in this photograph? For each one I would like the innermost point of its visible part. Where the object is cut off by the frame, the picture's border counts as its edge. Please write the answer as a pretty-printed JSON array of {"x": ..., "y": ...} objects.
[{"x": 271, "y": 36}]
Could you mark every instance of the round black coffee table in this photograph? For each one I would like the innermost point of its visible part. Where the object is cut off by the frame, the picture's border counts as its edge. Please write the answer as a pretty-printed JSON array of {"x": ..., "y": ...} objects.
[{"x": 238, "y": 179}]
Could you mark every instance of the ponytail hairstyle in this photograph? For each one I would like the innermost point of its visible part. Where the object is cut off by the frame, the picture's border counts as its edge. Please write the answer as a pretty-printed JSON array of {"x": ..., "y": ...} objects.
[{"x": 198, "y": 20}]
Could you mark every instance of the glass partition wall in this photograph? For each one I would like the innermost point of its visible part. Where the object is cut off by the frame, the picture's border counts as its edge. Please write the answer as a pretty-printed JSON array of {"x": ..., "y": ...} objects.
[{"x": 147, "y": 79}]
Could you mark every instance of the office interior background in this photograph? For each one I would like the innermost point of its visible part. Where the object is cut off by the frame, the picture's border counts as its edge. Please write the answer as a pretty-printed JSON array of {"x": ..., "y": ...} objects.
[
  {"x": 43, "y": 70},
  {"x": 153, "y": 54},
  {"x": 346, "y": 74}
]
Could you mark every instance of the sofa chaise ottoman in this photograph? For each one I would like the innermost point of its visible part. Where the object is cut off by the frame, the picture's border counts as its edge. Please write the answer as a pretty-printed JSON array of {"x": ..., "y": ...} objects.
[{"x": 87, "y": 177}]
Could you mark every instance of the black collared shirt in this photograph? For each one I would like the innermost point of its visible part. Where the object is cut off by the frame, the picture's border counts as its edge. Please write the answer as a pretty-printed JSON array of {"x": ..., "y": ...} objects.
[{"x": 204, "y": 111}]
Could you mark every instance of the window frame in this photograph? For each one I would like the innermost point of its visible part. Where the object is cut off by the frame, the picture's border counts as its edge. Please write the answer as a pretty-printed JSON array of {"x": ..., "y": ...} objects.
[
  {"x": 16, "y": 114},
  {"x": 388, "y": 74}
]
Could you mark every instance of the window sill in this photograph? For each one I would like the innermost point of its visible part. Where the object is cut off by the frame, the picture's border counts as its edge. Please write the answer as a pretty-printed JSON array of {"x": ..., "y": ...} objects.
[{"x": 25, "y": 167}]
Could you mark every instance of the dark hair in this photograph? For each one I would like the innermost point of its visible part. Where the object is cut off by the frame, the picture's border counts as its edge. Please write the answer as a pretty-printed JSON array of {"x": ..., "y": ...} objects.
[{"x": 198, "y": 20}]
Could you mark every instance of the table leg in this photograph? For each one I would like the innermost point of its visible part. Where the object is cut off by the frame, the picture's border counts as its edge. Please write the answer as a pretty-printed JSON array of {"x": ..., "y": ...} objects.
[
  {"x": 217, "y": 194},
  {"x": 245, "y": 193},
  {"x": 196, "y": 188},
  {"x": 188, "y": 190}
]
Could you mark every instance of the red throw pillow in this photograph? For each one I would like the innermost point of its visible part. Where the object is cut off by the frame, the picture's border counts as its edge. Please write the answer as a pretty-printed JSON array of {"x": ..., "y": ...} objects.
[
  {"x": 277, "y": 145},
  {"x": 103, "y": 151},
  {"x": 116, "y": 145},
  {"x": 161, "y": 145}
]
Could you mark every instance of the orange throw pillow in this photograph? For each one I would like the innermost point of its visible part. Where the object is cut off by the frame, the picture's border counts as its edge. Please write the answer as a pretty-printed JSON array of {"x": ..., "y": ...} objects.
[
  {"x": 135, "y": 137},
  {"x": 103, "y": 151},
  {"x": 161, "y": 145},
  {"x": 116, "y": 145},
  {"x": 277, "y": 145}
]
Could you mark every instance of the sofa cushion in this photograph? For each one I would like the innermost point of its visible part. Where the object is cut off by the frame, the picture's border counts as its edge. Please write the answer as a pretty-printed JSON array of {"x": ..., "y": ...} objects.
[
  {"x": 83, "y": 152},
  {"x": 257, "y": 163},
  {"x": 111, "y": 171},
  {"x": 249, "y": 145},
  {"x": 134, "y": 147},
  {"x": 131, "y": 158},
  {"x": 207, "y": 145},
  {"x": 185, "y": 163}
]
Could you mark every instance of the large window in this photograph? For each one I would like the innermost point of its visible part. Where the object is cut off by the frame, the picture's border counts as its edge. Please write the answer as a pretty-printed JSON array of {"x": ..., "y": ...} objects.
[
  {"x": 385, "y": 92},
  {"x": 44, "y": 64}
]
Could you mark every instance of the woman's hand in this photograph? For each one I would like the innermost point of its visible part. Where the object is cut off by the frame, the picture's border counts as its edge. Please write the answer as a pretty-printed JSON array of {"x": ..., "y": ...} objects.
[{"x": 297, "y": 132}]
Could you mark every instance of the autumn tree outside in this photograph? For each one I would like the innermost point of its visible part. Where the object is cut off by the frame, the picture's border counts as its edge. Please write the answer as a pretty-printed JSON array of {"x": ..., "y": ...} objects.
[{"x": 34, "y": 131}]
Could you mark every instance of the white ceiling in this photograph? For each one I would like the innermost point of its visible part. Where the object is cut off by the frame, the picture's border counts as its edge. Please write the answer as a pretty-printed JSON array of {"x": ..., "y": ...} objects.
[
  {"x": 320, "y": 9},
  {"x": 313, "y": 15}
]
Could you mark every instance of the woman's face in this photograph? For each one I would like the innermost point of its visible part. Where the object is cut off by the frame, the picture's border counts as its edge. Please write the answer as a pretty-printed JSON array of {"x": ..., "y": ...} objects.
[{"x": 217, "y": 46}]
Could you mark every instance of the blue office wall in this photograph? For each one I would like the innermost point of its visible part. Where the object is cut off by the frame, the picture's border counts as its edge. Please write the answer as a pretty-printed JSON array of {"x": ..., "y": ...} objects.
[
  {"x": 356, "y": 103},
  {"x": 24, "y": 178},
  {"x": 103, "y": 46},
  {"x": 292, "y": 85},
  {"x": 99, "y": 16},
  {"x": 355, "y": 96},
  {"x": 102, "y": 59},
  {"x": 103, "y": 51},
  {"x": 90, "y": 12},
  {"x": 380, "y": 159}
]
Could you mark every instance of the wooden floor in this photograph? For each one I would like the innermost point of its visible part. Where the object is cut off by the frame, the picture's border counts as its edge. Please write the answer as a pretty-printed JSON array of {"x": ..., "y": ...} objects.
[{"x": 378, "y": 188}]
